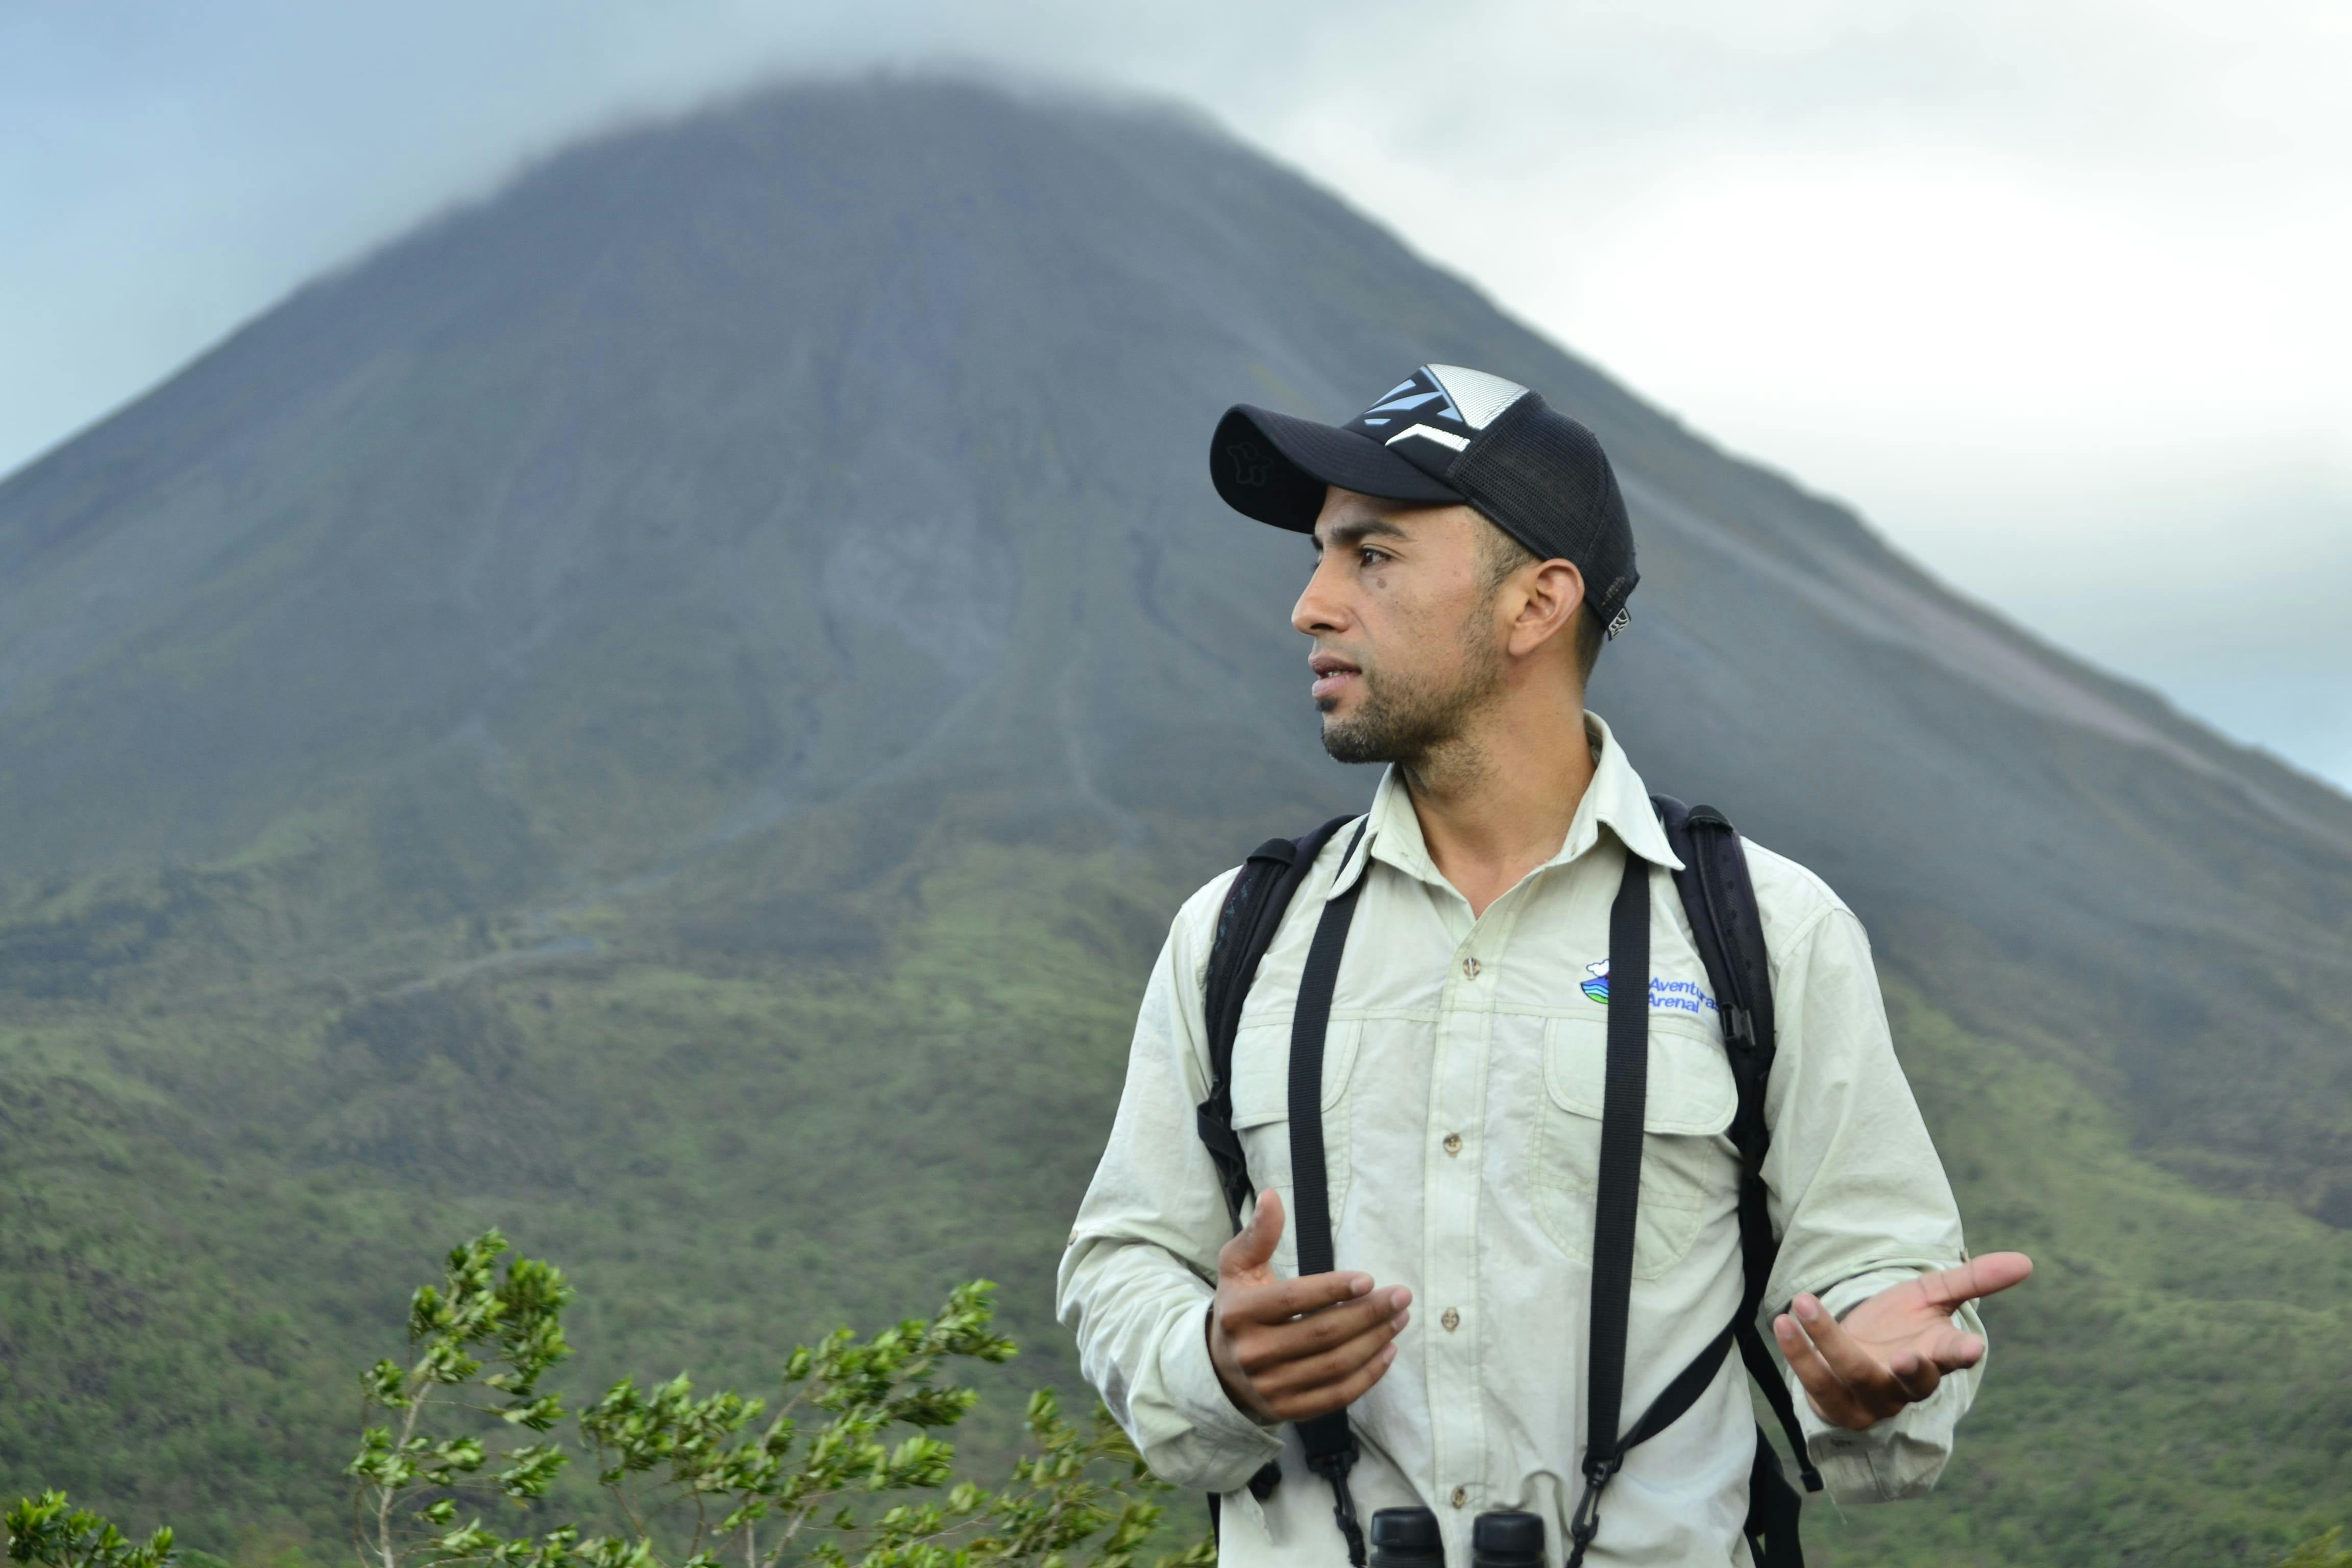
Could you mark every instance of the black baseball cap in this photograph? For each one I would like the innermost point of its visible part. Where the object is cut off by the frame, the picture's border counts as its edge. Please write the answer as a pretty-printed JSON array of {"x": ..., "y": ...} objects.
[{"x": 1443, "y": 436}]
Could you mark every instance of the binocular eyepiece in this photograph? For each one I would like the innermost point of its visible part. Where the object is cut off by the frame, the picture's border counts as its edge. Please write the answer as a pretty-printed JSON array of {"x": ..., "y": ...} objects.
[
  {"x": 1409, "y": 1538},
  {"x": 1406, "y": 1538}
]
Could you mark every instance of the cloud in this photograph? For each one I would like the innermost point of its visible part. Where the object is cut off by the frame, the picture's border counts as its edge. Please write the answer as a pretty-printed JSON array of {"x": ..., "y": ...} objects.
[{"x": 2053, "y": 283}]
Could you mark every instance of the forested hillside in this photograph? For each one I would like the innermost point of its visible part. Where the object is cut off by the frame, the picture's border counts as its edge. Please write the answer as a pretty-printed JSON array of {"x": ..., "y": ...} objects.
[{"x": 669, "y": 710}]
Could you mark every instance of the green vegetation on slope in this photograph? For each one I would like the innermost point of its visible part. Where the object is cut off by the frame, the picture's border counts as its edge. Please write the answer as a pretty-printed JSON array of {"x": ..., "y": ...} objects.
[
  {"x": 796, "y": 1085},
  {"x": 209, "y": 1190},
  {"x": 2171, "y": 1387}
]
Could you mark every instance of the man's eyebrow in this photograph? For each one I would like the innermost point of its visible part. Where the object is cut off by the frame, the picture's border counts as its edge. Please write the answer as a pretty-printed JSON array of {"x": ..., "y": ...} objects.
[{"x": 1353, "y": 534}]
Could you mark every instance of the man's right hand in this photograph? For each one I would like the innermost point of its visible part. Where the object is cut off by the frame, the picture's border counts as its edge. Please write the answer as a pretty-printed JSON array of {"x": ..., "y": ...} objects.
[{"x": 1288, "y": 1350}]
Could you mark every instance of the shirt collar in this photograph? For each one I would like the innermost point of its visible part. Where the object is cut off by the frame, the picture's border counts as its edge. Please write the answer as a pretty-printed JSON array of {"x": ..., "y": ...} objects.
[{"x": 1616, "y": 799}]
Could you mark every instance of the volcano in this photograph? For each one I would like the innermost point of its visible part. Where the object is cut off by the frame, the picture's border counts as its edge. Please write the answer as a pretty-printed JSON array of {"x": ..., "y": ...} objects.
[{"x": 669, "y": 708}]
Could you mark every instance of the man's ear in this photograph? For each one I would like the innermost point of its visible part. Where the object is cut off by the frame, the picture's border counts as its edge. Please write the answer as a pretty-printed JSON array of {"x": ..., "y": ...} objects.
[{"x": 1549, "y": 593}]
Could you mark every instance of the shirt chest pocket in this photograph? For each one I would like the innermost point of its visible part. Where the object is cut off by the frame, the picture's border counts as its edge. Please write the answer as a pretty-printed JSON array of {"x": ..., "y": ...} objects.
[
  {"x": 1689, "y": 1173},
  {"x": 1262, "y": 1118}
]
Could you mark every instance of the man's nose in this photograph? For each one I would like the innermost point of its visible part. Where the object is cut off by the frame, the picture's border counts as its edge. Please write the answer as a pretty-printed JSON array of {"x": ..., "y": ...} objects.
[{"x": 1319, "y": 608}]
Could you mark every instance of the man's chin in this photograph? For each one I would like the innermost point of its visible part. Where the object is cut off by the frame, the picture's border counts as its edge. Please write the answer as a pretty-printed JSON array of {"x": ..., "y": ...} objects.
[{"x": 1347, "y": 742}]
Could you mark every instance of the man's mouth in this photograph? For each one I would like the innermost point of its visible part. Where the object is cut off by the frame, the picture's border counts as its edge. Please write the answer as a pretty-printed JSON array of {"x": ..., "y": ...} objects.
[{"x": 1333, "y": 676}]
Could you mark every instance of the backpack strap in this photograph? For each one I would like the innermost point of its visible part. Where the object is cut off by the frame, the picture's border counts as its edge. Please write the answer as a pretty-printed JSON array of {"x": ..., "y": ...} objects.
[
  {"x": 1616, "y": 1200},
  {"x": 1625, "y": 1094},
  {"x": 1252, "y": 913},
  {"x": 1253, "y": 910},
  {"x": 1719, "y": 899},
  {"x": 1329, "y": 1441}
]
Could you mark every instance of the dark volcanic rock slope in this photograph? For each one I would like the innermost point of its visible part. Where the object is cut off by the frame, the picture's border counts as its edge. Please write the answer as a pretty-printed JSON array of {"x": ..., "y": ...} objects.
[{"x": 818, "y": 483}]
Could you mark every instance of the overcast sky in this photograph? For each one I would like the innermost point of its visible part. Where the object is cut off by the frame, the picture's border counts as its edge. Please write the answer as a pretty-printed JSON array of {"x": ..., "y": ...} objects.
[{"x": 2053, "y": 292}]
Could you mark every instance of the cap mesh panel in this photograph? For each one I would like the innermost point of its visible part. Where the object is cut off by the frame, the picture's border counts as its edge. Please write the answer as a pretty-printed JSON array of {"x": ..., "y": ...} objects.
[{"x": 1543, "y": 478}]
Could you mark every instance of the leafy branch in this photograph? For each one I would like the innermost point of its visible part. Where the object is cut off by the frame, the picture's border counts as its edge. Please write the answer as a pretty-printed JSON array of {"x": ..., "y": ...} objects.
[
  {"x": 42, "y": 1531},
  {"x": 517, "y": 1323},
  {"x": 850, "y": 1469}
]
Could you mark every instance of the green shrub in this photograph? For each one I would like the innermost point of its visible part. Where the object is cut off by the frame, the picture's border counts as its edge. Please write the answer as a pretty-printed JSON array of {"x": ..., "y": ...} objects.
[{"x": 846, "y": 1468}]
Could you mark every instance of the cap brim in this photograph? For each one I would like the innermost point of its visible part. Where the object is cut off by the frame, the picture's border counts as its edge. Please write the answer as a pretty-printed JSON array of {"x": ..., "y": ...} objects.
[{"x": 1276, "y": 468}]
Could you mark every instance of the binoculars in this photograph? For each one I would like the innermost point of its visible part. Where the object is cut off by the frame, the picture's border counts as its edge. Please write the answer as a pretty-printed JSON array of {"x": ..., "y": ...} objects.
[{"x": 1504, "y": 1538}]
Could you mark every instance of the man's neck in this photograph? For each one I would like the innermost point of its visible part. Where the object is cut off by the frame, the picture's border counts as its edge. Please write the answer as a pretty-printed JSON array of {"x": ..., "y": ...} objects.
[{"x": 1498, "y": 803}]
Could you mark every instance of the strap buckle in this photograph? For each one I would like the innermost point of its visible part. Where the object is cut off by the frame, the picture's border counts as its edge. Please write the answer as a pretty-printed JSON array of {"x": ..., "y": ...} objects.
[
  {"x": 1333, "y": 1467},
  {"x": 1586, "y": 1523}
]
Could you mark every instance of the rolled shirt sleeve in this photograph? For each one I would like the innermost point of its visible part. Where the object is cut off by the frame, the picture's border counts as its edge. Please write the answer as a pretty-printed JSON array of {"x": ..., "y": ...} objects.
[
  {"x": 1139, "y": 1271},
  {"x": 1856, "y": 1191}
]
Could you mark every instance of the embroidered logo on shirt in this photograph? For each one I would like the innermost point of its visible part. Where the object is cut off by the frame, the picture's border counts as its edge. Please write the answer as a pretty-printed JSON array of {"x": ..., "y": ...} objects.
[
  {"x": 1665, "y": 996},
  {"x": 1678, "y": 996}
]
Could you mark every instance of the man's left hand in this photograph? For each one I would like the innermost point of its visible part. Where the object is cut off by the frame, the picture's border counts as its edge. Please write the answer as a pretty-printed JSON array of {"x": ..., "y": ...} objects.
[{"x": 1893, "y": 1349}]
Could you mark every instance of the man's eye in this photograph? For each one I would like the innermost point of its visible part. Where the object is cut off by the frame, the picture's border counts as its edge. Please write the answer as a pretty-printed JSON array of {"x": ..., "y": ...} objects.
[{"x": 1368, "y": 555}]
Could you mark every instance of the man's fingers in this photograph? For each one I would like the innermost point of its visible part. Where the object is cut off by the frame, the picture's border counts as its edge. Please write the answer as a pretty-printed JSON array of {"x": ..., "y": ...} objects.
[
  {"x": 1322, "y": 1336},
  {"x": 1241, "y": 1305},
  {"x": 1307, "y": 1374},
  {"x": 1340, "y": 1396},
  {"x": 1952, "y": 1351},
  {"x": 1842, "y": 1374},
  {"x": 1916, "y": 1377},
  {"x": 1262, "y": 1340},
  {"x": 1286, "y": 1367},
  {"x": 1833, "y": 1400},
  {"x": 1976, "y": 1278},
  {"x": 1867, "y": 1390},
  {"x": 1252, "y": 1250},
  {"x": 1874, "y": 1386}
]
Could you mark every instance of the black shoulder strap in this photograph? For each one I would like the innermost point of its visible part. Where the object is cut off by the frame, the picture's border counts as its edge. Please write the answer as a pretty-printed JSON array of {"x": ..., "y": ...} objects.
[
  {"x": 1728, "y": 926},
  {"x": 1728, "y": 929},
  {"x": 1625, "y": 1095},
  {"x": 1616, "y": 1200},
  {"x": 1252, "y": 913},
  {"x": 1329, "y": 1441}
]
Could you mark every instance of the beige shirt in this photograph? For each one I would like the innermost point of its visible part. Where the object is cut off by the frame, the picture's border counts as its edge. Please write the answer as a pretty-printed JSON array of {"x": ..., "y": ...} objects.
[{"x": 1462, "y": 1091}]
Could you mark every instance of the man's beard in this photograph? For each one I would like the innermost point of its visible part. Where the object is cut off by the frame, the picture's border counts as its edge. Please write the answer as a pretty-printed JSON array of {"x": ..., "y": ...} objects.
[{"x": 1405, "y": 722}]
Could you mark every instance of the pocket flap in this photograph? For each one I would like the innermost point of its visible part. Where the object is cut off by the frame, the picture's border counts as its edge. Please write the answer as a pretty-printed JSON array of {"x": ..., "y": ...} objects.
[
  {"x": 1690, "y": 1091},
  {"x": 1260, "y": 1099},
  {"x": 1262, "y": 1070}
]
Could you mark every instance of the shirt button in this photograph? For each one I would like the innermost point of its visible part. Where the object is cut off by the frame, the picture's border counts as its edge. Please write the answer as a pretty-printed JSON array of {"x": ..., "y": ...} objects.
[
  {"x": 1470, "y": 967},
  {"x": 1461, "y": 1496},
  {"x": 1453, "y": 1319}
]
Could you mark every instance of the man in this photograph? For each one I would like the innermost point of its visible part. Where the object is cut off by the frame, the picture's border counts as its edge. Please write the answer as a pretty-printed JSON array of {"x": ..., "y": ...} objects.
[{"x": 1473, "y": 553}]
